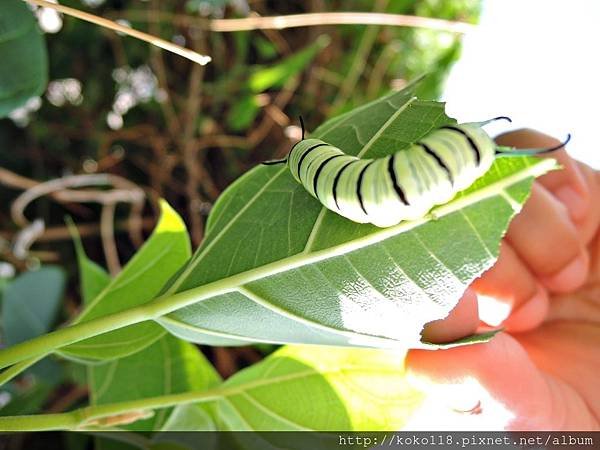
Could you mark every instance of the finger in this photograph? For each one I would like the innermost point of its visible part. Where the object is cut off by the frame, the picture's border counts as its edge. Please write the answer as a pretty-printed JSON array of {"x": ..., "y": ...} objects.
[
  {"x": 509, "y": 295},
  {"x": 589, "y": 226},
  {"x": 568, "y": 183},
  {"x": 547, "y": 241},
  {"x": 462, "y": 321},
  {"x": 492, "y": 386}
]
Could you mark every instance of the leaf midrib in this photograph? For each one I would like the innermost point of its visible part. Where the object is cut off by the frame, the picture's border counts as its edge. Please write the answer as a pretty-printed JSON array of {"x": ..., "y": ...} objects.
[{"x": 167, "y": 304}]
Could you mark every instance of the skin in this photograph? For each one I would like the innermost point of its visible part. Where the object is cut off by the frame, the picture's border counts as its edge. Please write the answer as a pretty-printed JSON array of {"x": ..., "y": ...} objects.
[{"x": 541, "y": 373}]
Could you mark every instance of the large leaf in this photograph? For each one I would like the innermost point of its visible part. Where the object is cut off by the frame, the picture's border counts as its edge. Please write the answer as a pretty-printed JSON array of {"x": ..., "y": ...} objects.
[
  {"x": 29, "y": 309},
  {"x": 140, "y": 281},
  {"x": 93, "y": 279},
  {"x": 169, "y": 366},
  {"x": 31, "y": 304},
  {"x": 24, "y": 68},
  {"x": 301, "y": 388},
  {"x": 278, "y": 267}
]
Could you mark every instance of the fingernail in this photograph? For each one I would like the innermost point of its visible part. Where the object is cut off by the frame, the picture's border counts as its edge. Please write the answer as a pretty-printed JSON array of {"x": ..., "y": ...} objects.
[
  {"x": 570, "y": 277},
  {"x": 574, "y": 202}
]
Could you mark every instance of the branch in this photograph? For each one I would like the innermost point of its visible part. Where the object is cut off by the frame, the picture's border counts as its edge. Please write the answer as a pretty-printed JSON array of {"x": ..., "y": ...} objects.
[
  {"x": 337, "y": 18},
  {"x": 158, "y": 42},
  {"x": 306, "y": 20},
  {"x": 107, "y": 234},
  {"x": 358, "y": 65},
  {"x": 17, "y": 369},
  {"x": 127, "y": 192},
  {"x": 106, "y": 415},
  {"x": 189, "y": 148}
]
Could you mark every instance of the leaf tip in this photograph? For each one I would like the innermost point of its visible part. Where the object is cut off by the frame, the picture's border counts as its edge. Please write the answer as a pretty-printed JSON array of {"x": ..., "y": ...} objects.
[{"x": 169, "y": 221}]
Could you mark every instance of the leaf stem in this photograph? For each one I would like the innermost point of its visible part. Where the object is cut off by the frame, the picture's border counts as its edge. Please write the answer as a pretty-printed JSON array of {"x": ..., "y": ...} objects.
[
  {"x": 109, "y": 414},
  {"x": 93, "y": 415},
  {"x": 158, "y": 42},
  {"x": 15, "y": 370},
  {"x": 47, "y": 343}
]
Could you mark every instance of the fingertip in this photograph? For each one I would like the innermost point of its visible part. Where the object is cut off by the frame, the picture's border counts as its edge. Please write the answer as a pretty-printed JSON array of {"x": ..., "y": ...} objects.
[
  {"x": 572, "y": 276},
  {"x": 530, "y": 314},
  {"x": 576, "y": 203},
  {"x": 567, "y": 184},
  {"x": 462, "y": 321}
]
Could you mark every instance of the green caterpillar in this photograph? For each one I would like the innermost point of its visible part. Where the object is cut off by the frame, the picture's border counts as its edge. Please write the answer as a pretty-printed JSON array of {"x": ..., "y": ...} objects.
[{"x": 404, "y": 185}]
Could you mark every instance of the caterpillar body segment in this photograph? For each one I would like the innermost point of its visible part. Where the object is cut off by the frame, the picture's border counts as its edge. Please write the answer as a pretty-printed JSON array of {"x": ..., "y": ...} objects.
[{"x": 404, "y": 185}]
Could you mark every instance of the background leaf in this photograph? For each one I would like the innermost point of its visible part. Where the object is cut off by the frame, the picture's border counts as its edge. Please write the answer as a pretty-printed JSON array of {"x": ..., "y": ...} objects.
[
  {"x": 319, "y": 388},
  {"x": 246, "y": 107},
  {"x": 31, "y": 303},
  {"x": 140, "y": 281},
  {"x": 168, "y": 366},
  {"x": 24, "y": 68},
  {"x": 92, "y": 278},
  {"x": 30, "y": 307},
  {"x": 276, "y": 75},
  {"x": 298, "y": 273}
]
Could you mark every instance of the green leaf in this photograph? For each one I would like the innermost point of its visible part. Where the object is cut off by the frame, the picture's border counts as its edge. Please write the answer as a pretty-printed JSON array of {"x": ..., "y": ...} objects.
[
  {"x": 31, "y": 303},
  {"x": 266, "y": 49},
  {"x": 29, "y": 309},
  {"x": 276, "y": 75},
  {"x": 140, "y": 281},
  {"x": 275, "y": 266},
  {"x": 169, "y": 366},
  {"x": 242, "y": 113},
  {"x": 28, "y": 400},
  {"x": 301, "y": 388},
  {"x": 92, "y": 278},
  {"x": 189, "y": 417},
  {"x": 24, "y": 68}
]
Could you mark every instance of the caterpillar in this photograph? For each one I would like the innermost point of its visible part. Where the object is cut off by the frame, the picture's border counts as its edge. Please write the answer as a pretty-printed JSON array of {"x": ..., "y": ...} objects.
[{"x": 404, "y": 185}]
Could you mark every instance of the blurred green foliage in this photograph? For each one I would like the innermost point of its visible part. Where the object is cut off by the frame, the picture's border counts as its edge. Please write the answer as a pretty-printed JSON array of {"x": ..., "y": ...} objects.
[{"x": 21, "y": 77}]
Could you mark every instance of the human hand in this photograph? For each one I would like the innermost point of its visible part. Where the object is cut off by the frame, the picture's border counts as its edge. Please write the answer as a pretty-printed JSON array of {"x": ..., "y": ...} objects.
[{"x": 542, "y": 372}]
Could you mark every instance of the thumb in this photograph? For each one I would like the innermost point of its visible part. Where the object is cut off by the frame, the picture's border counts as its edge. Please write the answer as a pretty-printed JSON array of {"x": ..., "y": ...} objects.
[{"x": 490, "y": 386}]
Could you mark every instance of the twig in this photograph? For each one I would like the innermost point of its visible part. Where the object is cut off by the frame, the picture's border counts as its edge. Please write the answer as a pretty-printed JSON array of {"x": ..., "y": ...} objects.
[
  {"x": 360, "y": 58},
  {"x": 380, "y": 68},
  {"x": 337, "y": 18},
  {"x": 64, "y": 195},
  {"x": 129, "y": 193},
  {"x": 190, "y": 150},
  {"x": 26, "y": 237},
  {"x": 107, "y": 234},
  {"x": 276, "y": 38},
  {"x": 60, "y": 233},
  {"x": 224, "y": 362},
  {"x": 281, "y": 100},
  {"x": 124, "y": 191},
  {"x": 65, "y": 401},
  {"x": 167, "y": 107},
  {"x": 158, "y": 42},
  {"x": 306, "y": 20},
  {"x": 224, "y": 141}
]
